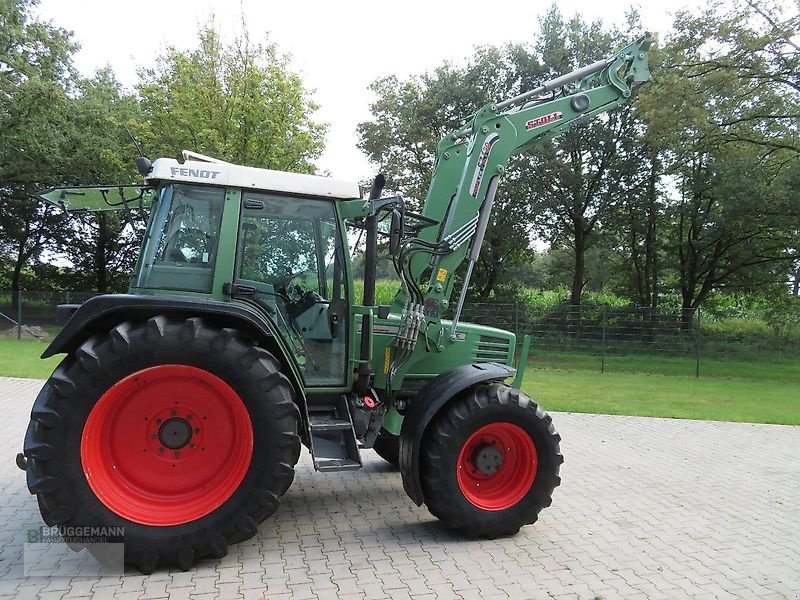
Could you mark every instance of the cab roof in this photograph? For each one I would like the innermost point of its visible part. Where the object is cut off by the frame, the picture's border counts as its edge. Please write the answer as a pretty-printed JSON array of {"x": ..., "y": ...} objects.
[{"x": 210, "y": 171}]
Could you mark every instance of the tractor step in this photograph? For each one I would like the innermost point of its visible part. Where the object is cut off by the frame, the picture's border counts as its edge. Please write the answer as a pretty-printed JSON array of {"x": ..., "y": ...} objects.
[
  {"x": 326, "y": 423},
  {"x": 333, "y": 440},
  {"x": 337, "y": 464}
]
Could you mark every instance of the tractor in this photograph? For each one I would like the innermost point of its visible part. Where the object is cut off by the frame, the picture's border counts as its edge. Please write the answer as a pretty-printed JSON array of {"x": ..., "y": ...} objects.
[{"x": 179, "y": 409}]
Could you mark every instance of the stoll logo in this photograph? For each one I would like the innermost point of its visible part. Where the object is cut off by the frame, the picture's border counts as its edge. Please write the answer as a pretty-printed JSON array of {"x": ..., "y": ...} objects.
[
  {"x": 480, "y": 168},
  {"x": 543, "y": 120}
]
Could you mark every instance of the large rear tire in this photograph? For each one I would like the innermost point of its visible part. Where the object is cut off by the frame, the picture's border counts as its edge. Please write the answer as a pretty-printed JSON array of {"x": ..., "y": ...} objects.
[
  {"x": 490, "y": 461},
  {"x": 183, "y": 434}
]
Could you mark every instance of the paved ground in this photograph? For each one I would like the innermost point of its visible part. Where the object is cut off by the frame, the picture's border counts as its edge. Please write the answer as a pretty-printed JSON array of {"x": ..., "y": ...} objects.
[{"x": 649, "y": 508}]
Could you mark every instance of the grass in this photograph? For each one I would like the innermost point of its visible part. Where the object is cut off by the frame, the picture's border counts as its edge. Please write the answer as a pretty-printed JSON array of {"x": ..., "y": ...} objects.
[
  {"x": 20, "y": 358},
  {"x": 707, "y": 398},
  {"x": 774, "y": 366},
  {"x": 756, "y": 392}
]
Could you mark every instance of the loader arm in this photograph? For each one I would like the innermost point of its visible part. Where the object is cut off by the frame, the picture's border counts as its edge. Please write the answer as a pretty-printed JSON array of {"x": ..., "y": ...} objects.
[{"x": 470, "y": 161}]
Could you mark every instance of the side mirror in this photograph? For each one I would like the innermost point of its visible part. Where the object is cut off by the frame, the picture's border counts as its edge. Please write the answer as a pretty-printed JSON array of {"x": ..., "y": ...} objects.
[{"x": 395, "y": 233}]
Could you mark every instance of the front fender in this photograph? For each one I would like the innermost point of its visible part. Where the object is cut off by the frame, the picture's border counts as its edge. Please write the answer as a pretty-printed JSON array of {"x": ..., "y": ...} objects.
[{"x": 428, "y": 401}]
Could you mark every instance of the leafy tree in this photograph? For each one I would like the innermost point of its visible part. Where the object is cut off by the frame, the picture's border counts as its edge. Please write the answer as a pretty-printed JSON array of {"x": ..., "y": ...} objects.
[
  {"x": 411, "y": 117},
  {"x": 635, "y": 235},
  {"x": 734, "y": 225},
  {"x": 722, "y": 118},
  {"x": 583, "y": 178},
  {"x": 34, "y": 70},
  {"x": 238, "y": 102},
  {"x": 567, "y": 187},
  {"x": 102, "y": 246}
]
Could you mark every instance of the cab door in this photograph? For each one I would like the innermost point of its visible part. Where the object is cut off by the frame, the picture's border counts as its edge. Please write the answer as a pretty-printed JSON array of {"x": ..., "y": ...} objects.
[{"x": 289, "y": 253}]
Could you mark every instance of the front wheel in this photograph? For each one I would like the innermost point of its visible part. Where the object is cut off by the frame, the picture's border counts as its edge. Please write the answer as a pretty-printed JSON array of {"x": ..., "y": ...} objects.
[
  {"x": 183, "y": 434},
  {"x": 387, "y": 446},
  {"x": 490, "y": 461}
]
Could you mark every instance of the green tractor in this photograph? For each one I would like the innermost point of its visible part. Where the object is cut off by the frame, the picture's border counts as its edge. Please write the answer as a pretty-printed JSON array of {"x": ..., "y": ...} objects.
[{"x": 179, "y": 409}]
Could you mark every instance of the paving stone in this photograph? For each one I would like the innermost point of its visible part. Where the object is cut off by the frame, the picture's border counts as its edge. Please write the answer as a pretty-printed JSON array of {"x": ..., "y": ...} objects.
[{"x": 648, "y": 508}]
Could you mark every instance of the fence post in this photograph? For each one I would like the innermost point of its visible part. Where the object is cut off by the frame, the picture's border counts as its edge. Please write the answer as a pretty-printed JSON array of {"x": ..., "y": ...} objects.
[
  {"x": 516, "y": 318},
  {"x": 603, "y": 346},
  {"x": 697, "y": 347},
  {"x": 19, "y": 314}
]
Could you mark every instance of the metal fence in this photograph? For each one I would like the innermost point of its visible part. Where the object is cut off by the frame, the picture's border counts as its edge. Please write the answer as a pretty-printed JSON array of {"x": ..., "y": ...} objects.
[
  {"x": 570, "y": 337},
  {"x": 32, "y": 315},
  {"x": 660, "y": 340}
]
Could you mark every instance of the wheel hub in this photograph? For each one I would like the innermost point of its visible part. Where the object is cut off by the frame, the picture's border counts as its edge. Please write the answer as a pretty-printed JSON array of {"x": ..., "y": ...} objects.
[
  {"x": 175, "y": 433},
  {"x": 497, "y": 466},
  {"x": 488, "y": 459}
]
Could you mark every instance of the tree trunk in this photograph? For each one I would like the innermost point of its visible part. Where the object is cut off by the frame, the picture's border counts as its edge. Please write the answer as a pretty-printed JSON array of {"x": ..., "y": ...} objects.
[
  {"x": 16, "y": 276},
  {"x": 101, "y": 258},
  {"x": 580, "y": 269},
  {"x": 487, "y": 288},
  {"x": 651, "y": 259}
]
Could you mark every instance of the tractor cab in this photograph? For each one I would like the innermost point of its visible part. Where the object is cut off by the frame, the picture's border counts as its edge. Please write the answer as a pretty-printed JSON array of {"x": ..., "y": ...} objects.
[{"x": 271, "y": 240}]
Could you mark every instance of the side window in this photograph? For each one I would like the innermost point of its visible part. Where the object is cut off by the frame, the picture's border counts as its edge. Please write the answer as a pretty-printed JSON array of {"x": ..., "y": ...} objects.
[{"x": 281, "y": 252}]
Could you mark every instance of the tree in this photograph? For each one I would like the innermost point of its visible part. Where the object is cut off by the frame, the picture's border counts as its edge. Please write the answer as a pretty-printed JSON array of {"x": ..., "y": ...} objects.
[
  {"x": 238, "y": 102},
  {"x": 583, "y": 177},
  {"x": 34, "y": 70},
  {"x": 102, "y": 246},
  {"x": 722, "y": 118},
  {"x": 734, "y": 223},
  {"x": 411, "y": 117},
  {"x": 635, "y": 235}
]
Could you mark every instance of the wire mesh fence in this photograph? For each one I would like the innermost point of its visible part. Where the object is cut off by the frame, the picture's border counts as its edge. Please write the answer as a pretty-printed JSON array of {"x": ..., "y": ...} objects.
[
  {"x": 32, "y": 315},
  {"x": 644, "y": 339},
  {"x": 603, "y": 338}
]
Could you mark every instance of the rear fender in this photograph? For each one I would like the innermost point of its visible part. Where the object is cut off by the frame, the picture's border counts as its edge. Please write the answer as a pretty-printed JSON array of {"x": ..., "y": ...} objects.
[
  {"x": 101, "y": 313},
  {"x": 426, "y": 404}
]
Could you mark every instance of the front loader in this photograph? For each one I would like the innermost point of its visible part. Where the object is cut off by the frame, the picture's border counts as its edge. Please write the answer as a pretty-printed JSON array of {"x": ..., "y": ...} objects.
[{"x": 179, "y": 409}]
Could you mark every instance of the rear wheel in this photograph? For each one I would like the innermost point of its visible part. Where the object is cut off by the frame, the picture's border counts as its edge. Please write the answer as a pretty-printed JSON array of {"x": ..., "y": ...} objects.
[
  {"x": 490, "y": 461},
  {"x": 183, "y": 434},
  {"x": 387, "y": 446}
]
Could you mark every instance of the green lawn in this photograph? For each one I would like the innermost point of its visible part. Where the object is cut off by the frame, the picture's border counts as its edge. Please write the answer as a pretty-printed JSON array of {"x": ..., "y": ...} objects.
[
  {"x": 758, "y": 392},
  {"x": 775, "y": 366},
  {"x": 20, "y": 358},
  {"x": 709, "y": 398}
]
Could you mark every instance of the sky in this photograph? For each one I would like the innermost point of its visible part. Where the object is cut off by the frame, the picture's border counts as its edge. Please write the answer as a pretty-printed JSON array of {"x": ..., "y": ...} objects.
[{"x": 338, "y": 48}]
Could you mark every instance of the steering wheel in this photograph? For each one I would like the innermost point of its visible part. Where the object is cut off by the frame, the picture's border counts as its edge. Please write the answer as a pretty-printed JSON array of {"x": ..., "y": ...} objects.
[{"x": 175, "y": 254}]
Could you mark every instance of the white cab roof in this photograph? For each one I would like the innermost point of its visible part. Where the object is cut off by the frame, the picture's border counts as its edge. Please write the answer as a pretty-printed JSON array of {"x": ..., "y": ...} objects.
[{"x": 226, "y": 174}]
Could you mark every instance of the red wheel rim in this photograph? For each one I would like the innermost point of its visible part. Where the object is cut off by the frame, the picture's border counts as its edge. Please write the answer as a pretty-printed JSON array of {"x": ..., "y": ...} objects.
[
  {"x": 496, "y": 466},
  {"x": 166, "y": 445}
]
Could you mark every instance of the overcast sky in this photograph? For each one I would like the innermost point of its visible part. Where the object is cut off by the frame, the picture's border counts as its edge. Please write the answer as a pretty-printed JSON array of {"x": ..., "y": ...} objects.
[{"x": 338, "y": 48}]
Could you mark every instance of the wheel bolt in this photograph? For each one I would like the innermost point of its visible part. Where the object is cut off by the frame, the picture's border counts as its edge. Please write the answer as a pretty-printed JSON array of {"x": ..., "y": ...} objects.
[
  {"x": 177, "y": 453},
  {"x": 174, "y": 413},
  {"x": 197, "y": 430},
  {"x": 161, "y": 450},
  {"x": 158, "y": 421}
]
